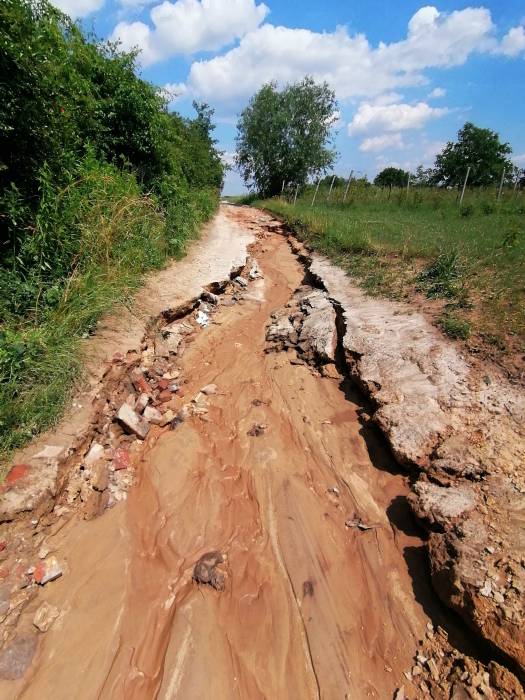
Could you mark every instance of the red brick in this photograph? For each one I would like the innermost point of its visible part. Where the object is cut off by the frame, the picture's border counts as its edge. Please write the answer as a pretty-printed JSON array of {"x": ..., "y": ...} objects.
[
  {"x": 18, "y": 472},
  {"x": 121, "y": 459},
  {"x": 164, "y": 384},
  {"x": 139, "y": 381},
  {"x": 165, "y": 396}
]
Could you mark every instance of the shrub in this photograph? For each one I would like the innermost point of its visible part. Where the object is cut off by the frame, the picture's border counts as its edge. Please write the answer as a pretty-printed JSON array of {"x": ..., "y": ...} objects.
[{"x": 454, "y": 326}]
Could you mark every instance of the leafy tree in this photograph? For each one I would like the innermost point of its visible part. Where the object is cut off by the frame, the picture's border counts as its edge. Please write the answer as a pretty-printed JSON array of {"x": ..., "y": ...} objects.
[
  {"x": 422, "y": 177},
  {"x": 286, "y": 135},
  {"x": 481, "y": 149},
  {"x": 392, "y": 177},
  {"x": 338, "y": 182}
]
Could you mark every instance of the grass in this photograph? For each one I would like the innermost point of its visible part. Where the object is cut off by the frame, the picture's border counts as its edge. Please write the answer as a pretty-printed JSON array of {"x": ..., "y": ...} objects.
[
  {"x": 397, "y": 244},
  {"x": 120, "y": 235}
]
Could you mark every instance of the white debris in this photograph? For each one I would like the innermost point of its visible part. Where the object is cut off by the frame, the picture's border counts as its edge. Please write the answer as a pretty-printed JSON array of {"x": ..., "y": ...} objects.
[{"x": 202, "y": 318}]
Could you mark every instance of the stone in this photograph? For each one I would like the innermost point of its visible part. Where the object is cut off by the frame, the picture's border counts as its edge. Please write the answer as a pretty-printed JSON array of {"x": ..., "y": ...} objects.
[
  {"x": 167, "y": 418},
  {"x": 132, "y": 422},
  {"x": 51, "y": 452},
  {"x": 95, "y": 503},
  {"x": 257, "y": 430},
  {"x": 241, "y": 281},
  {"x": 202, "y": 318},
  {"x": 121, "y": 459},
  {"x": 47, "y": 571},
  {"x": 141, "y": 403},
  {"x": 152, "y": 415},
  {"x": 210, "y": 298},
  {"x": 210, "y": 389},
  {"x": 96, "y": 452},
  {"x": 206, "y": 571},
  {"x": 139, "y": 381},
  {"x": 16, "y": 658},
  {"x": 99, "y": 476},
  {"x": 45, "y": 616},
  {"x": 400, "y": 693}
]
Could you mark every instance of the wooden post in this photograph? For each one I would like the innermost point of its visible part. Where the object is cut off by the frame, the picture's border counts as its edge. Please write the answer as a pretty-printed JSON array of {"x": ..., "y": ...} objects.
[
  {"x": 282, "y": 188},
  {"x": 501, "y": 184},
  {"x": 348, "y": 186},
  {"x": 331, "y": 188},
  {"x": 295, "y": 196},
  {"x": 316, "y": 191},
  {"x": 408, "y": 184},
  {"x": 518, "y": 178},
  {"x": 464, "y": 186}
]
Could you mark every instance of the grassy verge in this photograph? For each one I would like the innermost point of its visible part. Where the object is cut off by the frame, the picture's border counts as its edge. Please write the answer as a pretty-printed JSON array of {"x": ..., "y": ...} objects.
[
  {"x": 469, "y": 259},
  {"x": 118, "y": 234}
]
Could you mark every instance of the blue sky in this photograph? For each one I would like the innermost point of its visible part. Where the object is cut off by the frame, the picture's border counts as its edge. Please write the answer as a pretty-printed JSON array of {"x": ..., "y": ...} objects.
[{"x": 407, "y": 75}]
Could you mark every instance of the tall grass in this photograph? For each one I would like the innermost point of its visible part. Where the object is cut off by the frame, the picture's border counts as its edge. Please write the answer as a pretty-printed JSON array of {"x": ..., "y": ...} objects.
[
  {"x": 111, "y": 234},
  {"x": 398, "y": 242}
]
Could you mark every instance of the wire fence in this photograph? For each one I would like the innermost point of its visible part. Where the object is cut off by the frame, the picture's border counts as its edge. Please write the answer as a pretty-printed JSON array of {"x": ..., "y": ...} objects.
[{"x": 333, "y": 190}]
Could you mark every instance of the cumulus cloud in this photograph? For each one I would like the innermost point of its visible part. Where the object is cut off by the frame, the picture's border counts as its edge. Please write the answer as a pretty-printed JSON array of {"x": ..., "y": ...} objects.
[
  {"x": 392, "y": 118},
  {"x": 437, "y": 93},
  {"x": 78, "y": 8},
  {"x": 519, "y": 159},
  {"x": 513, "y": 43},
  {"x": 190, "y": 26},
  {"x": 353, "y": 67},
  {"x": 381, "y": 143}
]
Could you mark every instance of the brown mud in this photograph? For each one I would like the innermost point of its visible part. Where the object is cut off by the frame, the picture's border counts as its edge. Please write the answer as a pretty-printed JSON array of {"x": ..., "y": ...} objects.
[{"x": 312, "y": 578}]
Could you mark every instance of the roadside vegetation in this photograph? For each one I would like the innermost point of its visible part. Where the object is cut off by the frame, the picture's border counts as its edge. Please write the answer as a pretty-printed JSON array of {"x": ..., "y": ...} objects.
[
  {"x": 398, "y": 243},
  {"x": 99, "y": 183}
]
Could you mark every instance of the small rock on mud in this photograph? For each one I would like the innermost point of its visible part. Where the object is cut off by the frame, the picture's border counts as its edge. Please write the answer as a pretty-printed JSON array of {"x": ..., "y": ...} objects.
[
  {"x": 16, "y": 657},
  {"x": 257, "y": 430},
  {"x": 45, "y": 616},
  {"x": 206, "y": 571}
]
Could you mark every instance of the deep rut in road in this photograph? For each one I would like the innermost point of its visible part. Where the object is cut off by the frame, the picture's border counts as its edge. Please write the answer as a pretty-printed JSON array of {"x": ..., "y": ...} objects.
[{"x": 323, "y": 584}]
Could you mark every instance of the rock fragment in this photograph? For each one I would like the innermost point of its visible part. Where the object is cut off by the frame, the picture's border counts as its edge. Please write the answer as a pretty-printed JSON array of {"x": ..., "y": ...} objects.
[
  {"x": 241, "y": 282},
  {"x": 45, "y": 616},
  {"x": 152, "y": 415},
  {"x": 206, "y": 571},
  {"x": 47, "y": 571},
  {"x": 257, "y": 430},
  {"x": 132, "y": 422}
]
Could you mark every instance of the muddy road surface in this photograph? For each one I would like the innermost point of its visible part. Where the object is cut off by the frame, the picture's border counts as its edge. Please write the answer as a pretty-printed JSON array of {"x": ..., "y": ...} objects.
[{"x": 263, "y": 547}]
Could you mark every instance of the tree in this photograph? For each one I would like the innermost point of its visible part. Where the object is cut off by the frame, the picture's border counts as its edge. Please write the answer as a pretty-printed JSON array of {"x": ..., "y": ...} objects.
[
  {"x": 286, "y": 135},
  {"x": 423, "y": 176},
  {"x": 392, "y": 177},
  {"x": 481, "y": 149}
]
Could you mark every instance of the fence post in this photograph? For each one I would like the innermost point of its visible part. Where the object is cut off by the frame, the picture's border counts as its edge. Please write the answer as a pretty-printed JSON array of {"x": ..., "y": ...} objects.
[
  {"x": 408, "y": 184},
  {"x": 316, "y": 191},
  {"x": 295, "y": 196},
  {"x": 331, "y": 188},
  {"x": 518, "y": 178},
  {"x": 348, "y": 186},
  {"x": 464, "y": 186},
  {"x": 501, "y": 184}
]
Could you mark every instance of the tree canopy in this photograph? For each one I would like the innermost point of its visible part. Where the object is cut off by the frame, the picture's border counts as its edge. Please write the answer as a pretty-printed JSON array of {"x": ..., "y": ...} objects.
[
  {"x": 286, "y": 135},
  {"x": 392, "y": 177},
  {"x": 477, "y": 148}
]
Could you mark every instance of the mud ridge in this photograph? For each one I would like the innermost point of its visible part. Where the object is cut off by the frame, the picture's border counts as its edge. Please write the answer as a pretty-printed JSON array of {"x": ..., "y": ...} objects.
[{"x": 349, "y": 365}]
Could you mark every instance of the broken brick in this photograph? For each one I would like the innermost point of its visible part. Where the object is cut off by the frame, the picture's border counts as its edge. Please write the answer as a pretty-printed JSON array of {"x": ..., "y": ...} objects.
[
  {"x": 121, "y": 459},
  {"x": 47, "y": 571},
  {"x": 139, "y": 381},
  {"x": 17, "y": 473}
]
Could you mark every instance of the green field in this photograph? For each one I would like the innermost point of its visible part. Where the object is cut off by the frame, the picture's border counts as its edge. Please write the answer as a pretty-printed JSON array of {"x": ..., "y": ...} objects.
[{"x": 398, "y": 243}]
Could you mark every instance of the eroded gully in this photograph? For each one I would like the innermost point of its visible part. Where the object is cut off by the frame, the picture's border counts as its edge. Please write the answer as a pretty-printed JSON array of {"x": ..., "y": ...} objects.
[{"x": 311, "y": 608}]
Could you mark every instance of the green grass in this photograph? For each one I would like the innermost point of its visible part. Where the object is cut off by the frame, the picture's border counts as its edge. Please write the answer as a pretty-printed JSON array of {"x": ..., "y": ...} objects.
[
  {"x": 120, "y": 234},
  {"x": 398, "y": 243}
]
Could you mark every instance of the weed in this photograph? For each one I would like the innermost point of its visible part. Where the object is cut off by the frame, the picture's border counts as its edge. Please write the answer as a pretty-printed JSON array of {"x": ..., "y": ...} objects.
[
  {"x": 443, "y": 277},
  {"x": 454, "y": 326}
]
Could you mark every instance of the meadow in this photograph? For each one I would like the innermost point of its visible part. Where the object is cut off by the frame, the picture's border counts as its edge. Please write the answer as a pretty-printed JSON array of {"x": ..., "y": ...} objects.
[{"x": 399, "y": 243}]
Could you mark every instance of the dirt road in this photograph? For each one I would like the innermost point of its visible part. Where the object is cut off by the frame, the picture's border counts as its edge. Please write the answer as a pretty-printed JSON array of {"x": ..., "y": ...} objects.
[{"x": 319, "y": 587}]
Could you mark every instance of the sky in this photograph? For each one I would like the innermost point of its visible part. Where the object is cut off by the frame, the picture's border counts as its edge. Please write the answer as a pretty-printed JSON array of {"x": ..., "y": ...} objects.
[{"x": 406, "y": 75}]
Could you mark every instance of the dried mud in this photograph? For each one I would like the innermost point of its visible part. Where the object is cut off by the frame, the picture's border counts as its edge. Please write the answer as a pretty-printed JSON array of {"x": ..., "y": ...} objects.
[{"x": 259, "y": 542}]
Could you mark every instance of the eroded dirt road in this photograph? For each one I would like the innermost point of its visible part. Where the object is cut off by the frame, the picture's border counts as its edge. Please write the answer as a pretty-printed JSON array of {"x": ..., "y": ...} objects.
[
  {"x": 323, "y": 589},
  {"x": 310, "y": 607}
]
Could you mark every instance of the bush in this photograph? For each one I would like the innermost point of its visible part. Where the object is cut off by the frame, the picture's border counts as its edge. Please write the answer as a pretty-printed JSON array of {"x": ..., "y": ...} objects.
[{"x": 454, "y": 326}]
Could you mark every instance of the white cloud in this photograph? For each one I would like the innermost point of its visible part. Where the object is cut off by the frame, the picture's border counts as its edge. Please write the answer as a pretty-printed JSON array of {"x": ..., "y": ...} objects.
[
  {"x": 392, "y": 118},
  {"x": 381, "y": 143},
  {"x": 190, "y": 26},
  {"x": 173, "y": 92},
  {"x": 348, "y": 63},
  {"x": 78, "y": 8},
  {"x": 513, "y": 43},
  {"x": 135, "y": 4},
  {"x": 519, "y": 160},
  {"x": 437, "y": 93}
]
